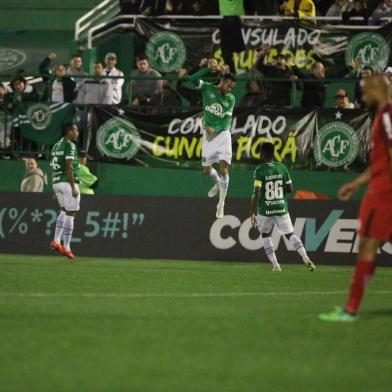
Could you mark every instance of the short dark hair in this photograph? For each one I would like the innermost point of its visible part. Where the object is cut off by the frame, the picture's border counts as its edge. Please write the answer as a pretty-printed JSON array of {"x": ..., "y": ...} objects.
[
  {"x": 76, "y": 55},
  {"x": 66, "y": 127},
  {"x": 228, "y": 76},
  {"x": 368, "y": 68},
  {"x": 20, "y": 79},
  {"x": 141, "y": 57},
  {"x": 98, "y": 62},
  {"x": 267, "y": 150}
]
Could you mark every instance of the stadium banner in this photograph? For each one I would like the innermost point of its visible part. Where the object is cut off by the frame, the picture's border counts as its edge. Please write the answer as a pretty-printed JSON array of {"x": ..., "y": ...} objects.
[
  {"x": 329, "y": 138},
  {"x": 174, "y": 228},
  {"x": 171, "y": 44}
]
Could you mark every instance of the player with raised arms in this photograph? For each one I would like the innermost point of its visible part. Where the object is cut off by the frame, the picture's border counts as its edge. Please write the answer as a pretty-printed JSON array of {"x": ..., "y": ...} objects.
[
  {"x": 65, "y": 164},
  {"x": 218, "y": 105},
  {"x": 269, "y": 205},
  {"x": 375, "y": 216}
]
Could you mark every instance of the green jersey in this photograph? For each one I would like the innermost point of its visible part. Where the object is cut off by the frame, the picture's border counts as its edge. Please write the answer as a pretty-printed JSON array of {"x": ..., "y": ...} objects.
[
  {"x": 272, "y": 178},
  {"x": 231, "y": 7},
  {"x": 64, "y": 149},
  {"x": 217, "y": 107}
]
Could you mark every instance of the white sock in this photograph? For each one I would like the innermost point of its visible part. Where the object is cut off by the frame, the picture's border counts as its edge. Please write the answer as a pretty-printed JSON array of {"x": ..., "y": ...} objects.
[
  {"x": 270, "y": 251},
  {"x": 68, "y": 229},
  {"x": 59, "y": 227},
  {"x": 223, "y": 186},
  {"x": 214, "y": 176},
  {"x": 299, "y": 247}
]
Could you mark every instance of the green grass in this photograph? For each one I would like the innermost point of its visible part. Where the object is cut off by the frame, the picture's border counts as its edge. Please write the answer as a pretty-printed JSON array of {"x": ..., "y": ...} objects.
[{"x": 87, "y": 330}]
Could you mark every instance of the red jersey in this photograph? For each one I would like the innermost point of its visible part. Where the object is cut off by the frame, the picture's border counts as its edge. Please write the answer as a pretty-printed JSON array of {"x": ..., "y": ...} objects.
[{"x": 380, "y": 160}]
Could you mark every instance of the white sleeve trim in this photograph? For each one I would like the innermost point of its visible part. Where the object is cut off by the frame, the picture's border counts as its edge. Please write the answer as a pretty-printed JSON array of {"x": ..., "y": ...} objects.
[
  {"x": 229, "y": 113},
  {"x": 200, "y": 85},
  {"x": 289, "y": 182},
  {"x": 68, "y": 157},
  {"x": 387, "y": 124}
]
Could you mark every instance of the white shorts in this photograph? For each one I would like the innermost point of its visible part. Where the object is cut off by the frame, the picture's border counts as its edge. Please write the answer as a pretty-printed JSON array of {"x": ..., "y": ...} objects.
[
  {"x": 216, "y": 149},
  {"x": 265, "y": 224},
  {"x": 64, "y": 196}
]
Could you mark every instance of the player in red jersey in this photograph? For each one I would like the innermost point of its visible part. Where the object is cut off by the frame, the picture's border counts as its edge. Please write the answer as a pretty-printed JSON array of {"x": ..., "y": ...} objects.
[{"x": 375, "y": 214}]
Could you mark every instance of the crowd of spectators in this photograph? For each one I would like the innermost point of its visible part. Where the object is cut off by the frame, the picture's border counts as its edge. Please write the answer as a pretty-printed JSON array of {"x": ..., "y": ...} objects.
[{"x": 350, "y": 11}]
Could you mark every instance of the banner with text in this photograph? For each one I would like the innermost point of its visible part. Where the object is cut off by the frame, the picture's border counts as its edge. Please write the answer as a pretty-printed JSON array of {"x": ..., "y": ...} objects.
[
  {"x": 171, "y": 44},
  {"x": 329, "y": 138},
  {"x": 153, "y": 228}
]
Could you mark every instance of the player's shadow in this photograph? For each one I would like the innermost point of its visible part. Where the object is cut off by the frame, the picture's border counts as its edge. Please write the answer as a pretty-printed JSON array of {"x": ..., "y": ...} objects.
[{"x": 377, "y": 313}]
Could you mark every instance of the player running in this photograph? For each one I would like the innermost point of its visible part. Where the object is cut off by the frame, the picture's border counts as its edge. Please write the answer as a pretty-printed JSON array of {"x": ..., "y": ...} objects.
[
  {"x": 65, "y": 164},
  {"x": 375, "y": 216},
  {"x": 269, "y": 206},
  {"x": 218, "y": 105}
]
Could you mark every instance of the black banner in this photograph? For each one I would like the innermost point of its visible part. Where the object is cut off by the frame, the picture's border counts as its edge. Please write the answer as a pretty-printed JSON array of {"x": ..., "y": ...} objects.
[
  {"x": 170, "y": 44},
  {"x": 178, "y": 228},
  {"x": 329, "y": 138}
]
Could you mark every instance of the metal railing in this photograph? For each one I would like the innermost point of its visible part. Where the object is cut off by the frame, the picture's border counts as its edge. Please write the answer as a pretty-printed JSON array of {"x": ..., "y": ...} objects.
[{"x": 100, "y": 22}]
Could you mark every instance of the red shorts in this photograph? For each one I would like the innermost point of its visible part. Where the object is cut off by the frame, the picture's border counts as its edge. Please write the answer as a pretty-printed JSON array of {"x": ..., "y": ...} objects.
[{"x": 375, "y": 216}]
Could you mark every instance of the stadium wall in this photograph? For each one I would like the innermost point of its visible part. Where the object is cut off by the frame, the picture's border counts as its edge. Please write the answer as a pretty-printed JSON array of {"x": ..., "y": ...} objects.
[{"x": 117, "y": 179}]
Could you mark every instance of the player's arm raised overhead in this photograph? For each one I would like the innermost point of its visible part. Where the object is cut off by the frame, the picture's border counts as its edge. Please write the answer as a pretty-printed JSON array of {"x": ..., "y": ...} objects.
[
  {"x": 255, "y": 198},
  {"x": 195, "y": 80}
]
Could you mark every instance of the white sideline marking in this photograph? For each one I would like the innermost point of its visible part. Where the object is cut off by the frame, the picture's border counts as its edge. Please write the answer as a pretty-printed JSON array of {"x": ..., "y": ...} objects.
[{"x": 180, "y": 295}]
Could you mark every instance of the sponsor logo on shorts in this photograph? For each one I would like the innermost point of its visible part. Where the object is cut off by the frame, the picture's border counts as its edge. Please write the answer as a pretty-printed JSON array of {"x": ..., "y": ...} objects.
[
  {"x": 369, "y": 47},
  {"x": 336, "y": 145},
  {"x": 39, "y": 115},
  {"x": 118, "y": 138},
  {"x": 215, "y": 109},
  {"x": 166, "y": 51}
]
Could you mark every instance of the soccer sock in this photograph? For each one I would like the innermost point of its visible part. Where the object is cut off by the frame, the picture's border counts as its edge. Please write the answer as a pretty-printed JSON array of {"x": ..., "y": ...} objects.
[
  {"x": 270, "y": 251},
  {"x": 223, "y": 186},
  {"x": 363, "y": 274},
  {"x": 59, "y": 226},
  {"x": 299, "y": 247},
  {"x": 214, "y": 176},
  {"x": 68, "y": 229}
]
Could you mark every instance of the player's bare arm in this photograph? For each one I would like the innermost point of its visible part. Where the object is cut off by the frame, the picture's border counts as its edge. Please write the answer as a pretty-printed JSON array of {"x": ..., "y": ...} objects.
[
  {"x": 253, "y": 205},
  {"x": 349, "y": 188},
  {"x": 70, "y": 177}
]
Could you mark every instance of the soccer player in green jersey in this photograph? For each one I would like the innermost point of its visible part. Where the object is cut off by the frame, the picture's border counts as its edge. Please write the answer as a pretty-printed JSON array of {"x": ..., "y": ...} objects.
[
  {"x": 269, "y": 205},
  {"x": 65, "y": 164},
  {"x": 218, "y": 105}
]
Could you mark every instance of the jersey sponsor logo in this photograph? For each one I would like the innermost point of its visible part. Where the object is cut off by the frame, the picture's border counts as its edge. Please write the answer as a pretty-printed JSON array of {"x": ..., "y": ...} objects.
[
  {"x": 10, "y": 58},
  {"x": 39, "y": 116},
  {"x": 369, "y": 47},
  {"x": 166, "y": 51},
  {"x": 118, "y": 138},
  {"x": 215, "y": 109},
  {"x": 336, "y": 145}
]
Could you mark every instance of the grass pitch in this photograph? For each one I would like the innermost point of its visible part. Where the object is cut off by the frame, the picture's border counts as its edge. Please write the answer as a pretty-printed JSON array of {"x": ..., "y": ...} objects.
[{"x": 132, "y": 325}]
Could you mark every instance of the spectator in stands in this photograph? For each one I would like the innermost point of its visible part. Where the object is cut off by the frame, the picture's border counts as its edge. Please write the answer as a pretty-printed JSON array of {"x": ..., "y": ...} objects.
[
  {"x": 337, "y": 8},
  {"x": 302, "y": 9},
  {"x": 34, "y": 179},
  {"x": 313, "y": 86},
  {"x": 342, "y": 100},
  {"x": 22, "y": 91},
  {"x": 58, "y": 87},
  {"x": 76, "y": 69},
  {"x": 97, "y": 90},
  {"x": 167, "y": 101},
  {"x": 255, "y": 97},
  {"x": 383, "y": 10},
  {"x": 117, "y": 83},
  {"x": 278, "y": 94},
  {"x": 388, "y": 73},
  {"x": 365, "y": 73},
  {"x": 358, "y": 10},
  {"x": 87, "y": 180},
  {"x": 183, "y": 7},
  {"x": 141, "y": 91},
  {"x": 4, "y": 98}
]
